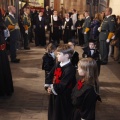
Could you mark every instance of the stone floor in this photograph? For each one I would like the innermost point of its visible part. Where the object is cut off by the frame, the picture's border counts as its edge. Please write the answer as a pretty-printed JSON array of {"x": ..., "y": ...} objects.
[{"x": 30, "y": 101}]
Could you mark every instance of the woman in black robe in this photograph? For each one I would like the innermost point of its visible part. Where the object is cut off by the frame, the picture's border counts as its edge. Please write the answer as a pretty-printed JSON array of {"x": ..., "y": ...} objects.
[{"x": 6, "y": 84}]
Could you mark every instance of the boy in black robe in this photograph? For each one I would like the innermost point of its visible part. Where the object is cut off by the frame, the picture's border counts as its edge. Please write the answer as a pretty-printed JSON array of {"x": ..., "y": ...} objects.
[
  {"x": 60, "y": 82},
  {"x": 91, "y": 51}
]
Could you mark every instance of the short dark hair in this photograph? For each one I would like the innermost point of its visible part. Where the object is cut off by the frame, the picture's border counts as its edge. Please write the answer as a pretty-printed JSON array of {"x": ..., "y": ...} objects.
[{"x": 65, "y": 49}]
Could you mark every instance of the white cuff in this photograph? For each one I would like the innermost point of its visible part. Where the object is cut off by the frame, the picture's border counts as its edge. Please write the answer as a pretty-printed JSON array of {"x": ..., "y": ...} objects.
[
  {"x": 51, "y": 86},
  {"x": 47, "y": 85}
]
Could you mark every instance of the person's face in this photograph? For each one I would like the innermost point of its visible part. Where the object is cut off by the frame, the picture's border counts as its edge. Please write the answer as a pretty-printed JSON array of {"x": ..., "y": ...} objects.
[
  {"x": 107, "y": 12},
  {"x": 47, "y": 7},
  {"x": 13, "y": 10},
  {"x": 86, "y": 14},
  {"x": 81, "y": 71},
  {"x": 41, "y": 13},
  {"x": 91, "y": 45},
  {"x": 71, "y": 45},
  {"x": 55, "y": 13},
  {"x": 61, "y": 57},
  {"x": 67, "y": 15},
  {"x": 28, "y": 11}
]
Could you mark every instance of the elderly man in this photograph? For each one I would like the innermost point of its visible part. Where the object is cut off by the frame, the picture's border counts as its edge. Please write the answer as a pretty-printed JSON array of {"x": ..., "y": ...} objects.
[
  {"x": 106, "y": 33},
  {"x": 12, "y": 24}
]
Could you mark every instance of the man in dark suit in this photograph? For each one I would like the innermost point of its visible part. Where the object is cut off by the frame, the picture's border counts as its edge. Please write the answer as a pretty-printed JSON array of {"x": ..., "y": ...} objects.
[
  {"x": 40, "y": 26},
  {"x": 12, "y": 25},
  {"x": 86, "y": 28}
]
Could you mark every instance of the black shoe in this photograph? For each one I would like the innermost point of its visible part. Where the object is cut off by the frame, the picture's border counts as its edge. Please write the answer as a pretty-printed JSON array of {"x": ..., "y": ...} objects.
[
  {"x": 27, "y": 48},
  {"x": 15, "y": 61},
  {"x": 103, "y": 63}
]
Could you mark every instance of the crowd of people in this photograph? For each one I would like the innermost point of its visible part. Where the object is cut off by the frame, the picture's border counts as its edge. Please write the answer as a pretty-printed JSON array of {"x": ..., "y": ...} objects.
[{"x": 99, "y": 38}]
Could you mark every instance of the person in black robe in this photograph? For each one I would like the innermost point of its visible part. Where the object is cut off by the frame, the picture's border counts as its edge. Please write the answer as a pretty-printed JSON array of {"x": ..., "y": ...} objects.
[
  {"x": 79, "y": 25},
  {"x": 55, "y": 27},
  {"x": 60, "y": 82},
  {"x": 6, "y": 83},
  {"x": 86, "y": 92},
  {"x": 75, "y": 57},
  {"x": 66, "y": 26},
  {"x": 49, "y": 59},
  {"x": 47, "y": 14},
  {"x": 40, "y": 26},
  {"x": 91, "y": 51}
]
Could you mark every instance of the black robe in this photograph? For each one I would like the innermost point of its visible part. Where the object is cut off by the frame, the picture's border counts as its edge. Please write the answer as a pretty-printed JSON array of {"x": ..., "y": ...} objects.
[
  {"x": 79, "y": 23},
  {"x": 55, "y": 30},
  {"x": 48, "y": 63},
  {"x": 63, "y": 79},
  {"x": 95, "y": 56},
  {"x": 67, "y": 34},
  {"x": 75, "y": 59},
  {"x": 84, "y": 100},
  {"x": 6, "y": 83},
  {"x": 40, "y": 31}
]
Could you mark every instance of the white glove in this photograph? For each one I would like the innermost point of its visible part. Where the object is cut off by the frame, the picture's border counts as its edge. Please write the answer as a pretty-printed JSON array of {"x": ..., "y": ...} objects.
[
  {"x": 16, "y": 27},
  {"x": 107, "y": 40},
  {"x": 46, "y": 27},
  {"x": 26, "y": 31},
  {"x": 113, "y": 37},
  {"x": 85, "y": 33},
  {"x": 99, "y": 29}
]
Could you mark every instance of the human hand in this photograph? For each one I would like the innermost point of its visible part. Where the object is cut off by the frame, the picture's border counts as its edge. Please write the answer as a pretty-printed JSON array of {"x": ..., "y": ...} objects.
[
  {"x": 49, "y": 90},
  {"x": 107, "y": 40},
  {"x": 16, "y": 27},
  {"x": 26, "y": 31}
]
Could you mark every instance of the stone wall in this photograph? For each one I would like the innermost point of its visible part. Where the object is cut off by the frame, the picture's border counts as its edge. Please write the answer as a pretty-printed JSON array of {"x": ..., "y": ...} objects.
[
  {"x": 115, "y": 5},
  {"x": 79, "y": 5}
]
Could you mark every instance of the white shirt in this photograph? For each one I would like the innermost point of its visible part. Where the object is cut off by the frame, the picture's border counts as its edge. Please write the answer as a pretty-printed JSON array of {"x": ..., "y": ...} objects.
[
  {"x": 64, "y": 63},
  {"x": 54, "y": 18},
  {"x": 87, "y": 17},
  {"x": 92, "y": 52},
  {"x": 67, "y": 19},
  {"x": 11, "y": 15},
  {"x": 40, "y": 18},
  {"x": 108, "y": 16}
]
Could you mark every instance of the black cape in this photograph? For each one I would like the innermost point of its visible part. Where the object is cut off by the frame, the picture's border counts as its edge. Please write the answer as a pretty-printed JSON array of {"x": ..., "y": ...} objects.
[
  {"x": 60, "y": 106},
  {"x": 6, "y": 83}
]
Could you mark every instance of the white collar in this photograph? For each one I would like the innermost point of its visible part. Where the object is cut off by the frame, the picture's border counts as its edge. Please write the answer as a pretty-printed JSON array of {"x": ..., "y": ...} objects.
[
  {"x": 108, "y": 16},
  {"x": 87, "y": 17},
  {"x": 25, "y": 13},
  {"x": 67, "y": 19},
  {"x": 64, "y": 63},
  {"x": 11, "y": 14}
]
